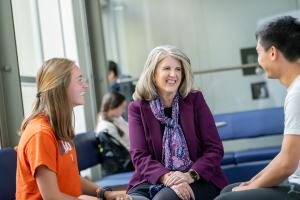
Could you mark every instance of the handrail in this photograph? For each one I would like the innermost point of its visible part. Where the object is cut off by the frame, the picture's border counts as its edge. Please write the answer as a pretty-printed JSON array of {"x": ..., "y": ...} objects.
[
  {"x": 230, "y": 68},
  {"x": 126, "y": 80},
  {"x": 221, "y": 124},
  {"x": 206, "y": 71}
]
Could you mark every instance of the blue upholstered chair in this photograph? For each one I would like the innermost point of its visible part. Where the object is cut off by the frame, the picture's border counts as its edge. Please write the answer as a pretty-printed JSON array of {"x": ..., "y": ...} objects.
[
  {"x": 8, "y": 166},
  {"x": 87, "y": 150},
  {"x": 242, "y": 165},
  {"x": 88, "y": 155}
]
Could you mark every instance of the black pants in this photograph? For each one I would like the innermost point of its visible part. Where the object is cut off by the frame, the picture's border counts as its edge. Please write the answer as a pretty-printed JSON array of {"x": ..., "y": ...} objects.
[
  {"x": 282, "y": 192},
  {"x": 202, "y": 190}
]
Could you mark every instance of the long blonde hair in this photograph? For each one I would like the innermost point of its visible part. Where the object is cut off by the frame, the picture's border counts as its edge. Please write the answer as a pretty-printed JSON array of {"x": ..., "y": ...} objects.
[
  {"x": 52, "y": 99},
  {"x": 145, "y": 88}
]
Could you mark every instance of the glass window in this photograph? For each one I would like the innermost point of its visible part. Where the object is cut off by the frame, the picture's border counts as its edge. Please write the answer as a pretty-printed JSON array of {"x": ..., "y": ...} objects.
[{"x": 44, "y": 29}]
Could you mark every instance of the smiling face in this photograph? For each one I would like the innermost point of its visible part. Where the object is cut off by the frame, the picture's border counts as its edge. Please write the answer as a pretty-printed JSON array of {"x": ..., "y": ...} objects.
[
  {"x": 168, "y": 76},
  {"x": 267, "y": 59},
  {"x": 77, "y": 87}
]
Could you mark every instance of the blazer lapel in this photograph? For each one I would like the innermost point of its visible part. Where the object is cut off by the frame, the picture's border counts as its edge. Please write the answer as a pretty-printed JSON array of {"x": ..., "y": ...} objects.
[
  {"x": 186, "y": 111},
  {"x": 153, "y": 131}
]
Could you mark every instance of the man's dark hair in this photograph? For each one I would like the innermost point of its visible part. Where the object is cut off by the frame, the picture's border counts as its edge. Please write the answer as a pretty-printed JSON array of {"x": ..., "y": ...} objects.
[
  {"x": 112, "y": 66},
  {"x": 282, "y": 33}
]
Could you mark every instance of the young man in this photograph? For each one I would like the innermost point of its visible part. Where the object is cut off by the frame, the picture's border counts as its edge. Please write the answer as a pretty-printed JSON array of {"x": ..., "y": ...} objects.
[{"x": 278, "y": 48}]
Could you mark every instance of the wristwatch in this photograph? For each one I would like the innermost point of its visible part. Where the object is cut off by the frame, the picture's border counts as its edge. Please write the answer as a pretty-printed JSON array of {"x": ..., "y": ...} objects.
[
  {"x": 100, "y": 192},
  {"x": 195, "y": 176}
]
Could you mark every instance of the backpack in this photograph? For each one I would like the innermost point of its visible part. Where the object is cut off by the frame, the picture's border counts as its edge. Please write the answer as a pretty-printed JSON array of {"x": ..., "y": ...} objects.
[{"x": 115, "y": 157}]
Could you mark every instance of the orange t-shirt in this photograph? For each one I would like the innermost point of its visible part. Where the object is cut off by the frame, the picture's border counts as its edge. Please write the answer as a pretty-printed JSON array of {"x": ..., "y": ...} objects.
[{"x": 39, "y": 146}]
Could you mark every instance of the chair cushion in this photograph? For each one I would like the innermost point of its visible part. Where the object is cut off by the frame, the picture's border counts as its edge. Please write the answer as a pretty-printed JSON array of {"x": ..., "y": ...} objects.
[
  {"x": 243, "y": 172},
  {"x": 253, "y": 155},
  {"x": 87, "y": 150},
  {"x": 228, "y": 158},
  {"x": 252, "y": 123},
  {"x": 8, "y": 167}
]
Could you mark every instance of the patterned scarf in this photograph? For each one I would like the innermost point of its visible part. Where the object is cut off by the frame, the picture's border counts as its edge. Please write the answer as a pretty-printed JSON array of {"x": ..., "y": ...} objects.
[{"x": 175, "y": 154}]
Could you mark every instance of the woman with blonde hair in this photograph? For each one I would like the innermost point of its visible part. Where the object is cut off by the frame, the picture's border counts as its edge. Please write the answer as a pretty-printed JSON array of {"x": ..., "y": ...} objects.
[
  {"x": 174, "y": 144},
  {"x": 47, "y": 163}
]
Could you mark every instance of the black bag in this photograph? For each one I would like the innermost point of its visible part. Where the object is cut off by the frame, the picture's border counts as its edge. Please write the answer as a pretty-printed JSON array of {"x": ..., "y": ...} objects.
[{"x": 114, "y": 155}]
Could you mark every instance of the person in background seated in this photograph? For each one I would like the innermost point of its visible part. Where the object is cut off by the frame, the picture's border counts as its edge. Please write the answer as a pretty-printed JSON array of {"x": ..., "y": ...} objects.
[
  {"x": 110, "y": 120},
  {"x": 110, "y": 117},
  {"x": 278, "y": 48},
  {"x": 113, "y": 76},
  {"x": 174, "y": 143},
  {"x": 47, "y": 163}
]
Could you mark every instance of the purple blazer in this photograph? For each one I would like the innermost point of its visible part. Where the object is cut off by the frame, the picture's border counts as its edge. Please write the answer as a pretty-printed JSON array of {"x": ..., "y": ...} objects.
[{"x": 203, "y": 141}]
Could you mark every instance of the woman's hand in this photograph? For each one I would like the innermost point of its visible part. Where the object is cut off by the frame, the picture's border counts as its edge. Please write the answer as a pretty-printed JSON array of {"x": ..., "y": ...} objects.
[
  {"x": 177, "y": 177},
  {"x": 165, "y": 177},
  {"x": 117, "y": 195},
  {"x": 183, "y": 191}
]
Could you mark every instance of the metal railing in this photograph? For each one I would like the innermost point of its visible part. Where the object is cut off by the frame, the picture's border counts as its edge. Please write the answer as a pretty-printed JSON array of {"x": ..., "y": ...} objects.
[
  {"x": 229, "y": 68},
  {"x": 258, "y": 70}
]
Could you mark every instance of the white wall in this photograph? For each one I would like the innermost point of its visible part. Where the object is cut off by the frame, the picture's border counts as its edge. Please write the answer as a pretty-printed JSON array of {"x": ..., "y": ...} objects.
[{"x": 211, "y": 32}]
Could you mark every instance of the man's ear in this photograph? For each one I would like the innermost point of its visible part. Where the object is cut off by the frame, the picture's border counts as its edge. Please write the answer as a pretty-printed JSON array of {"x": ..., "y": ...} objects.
[{"x": 273, "y": 53}]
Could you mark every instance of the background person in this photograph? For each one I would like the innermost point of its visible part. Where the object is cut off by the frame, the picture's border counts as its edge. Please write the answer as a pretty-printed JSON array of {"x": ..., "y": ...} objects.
[
  {"x": 110, "y": 120},
  {"x": 173, "y": 137},
  {"x": 110, "y": 117},
  {"x": 113, "y": 76}
]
